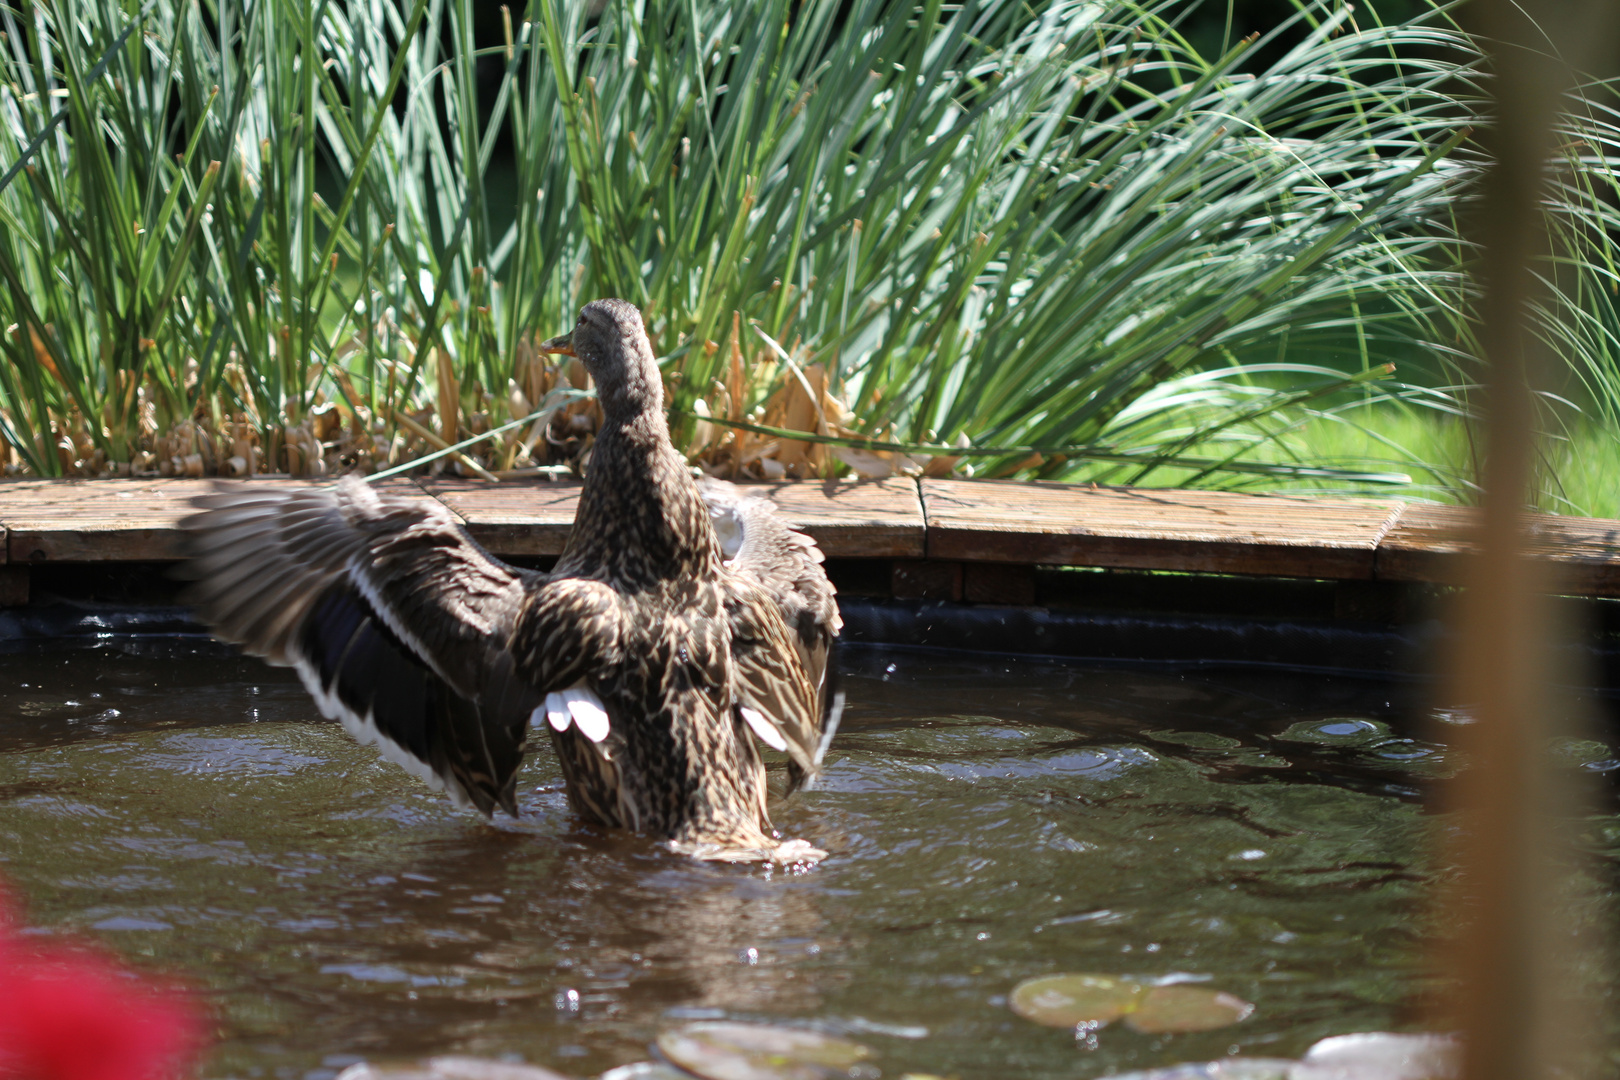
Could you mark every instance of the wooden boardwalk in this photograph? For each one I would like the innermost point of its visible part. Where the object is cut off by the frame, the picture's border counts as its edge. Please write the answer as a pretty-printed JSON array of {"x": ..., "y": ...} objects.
[{"x": 977, "y": 523}]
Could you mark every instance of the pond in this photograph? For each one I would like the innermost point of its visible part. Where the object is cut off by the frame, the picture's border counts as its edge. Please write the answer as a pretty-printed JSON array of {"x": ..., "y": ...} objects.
[{"x": 989, "y": 820}]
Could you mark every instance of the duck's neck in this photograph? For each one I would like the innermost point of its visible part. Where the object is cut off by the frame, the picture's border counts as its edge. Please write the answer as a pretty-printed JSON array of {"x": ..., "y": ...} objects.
[{"x": 641, "y": 522}]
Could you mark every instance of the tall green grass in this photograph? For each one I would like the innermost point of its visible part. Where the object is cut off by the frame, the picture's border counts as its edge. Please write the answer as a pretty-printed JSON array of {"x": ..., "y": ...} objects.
[{"x": 1055, "y": 232}]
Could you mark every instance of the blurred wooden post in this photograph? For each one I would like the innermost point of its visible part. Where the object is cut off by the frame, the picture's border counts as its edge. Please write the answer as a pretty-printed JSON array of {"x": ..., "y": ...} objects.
[{"x": 1506, "y": 962}]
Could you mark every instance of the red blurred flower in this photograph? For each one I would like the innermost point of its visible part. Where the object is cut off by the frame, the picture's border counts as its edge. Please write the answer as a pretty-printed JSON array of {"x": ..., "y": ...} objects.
[{"x": 77, "y": 1014}]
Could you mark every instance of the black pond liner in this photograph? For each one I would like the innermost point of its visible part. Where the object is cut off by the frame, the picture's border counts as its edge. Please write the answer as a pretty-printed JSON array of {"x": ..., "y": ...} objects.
[
  {"x": 132, "y": 628},
  {"x": 1404, "y": 652},
  {"x": 1407, "y": 654},
  {"x": 1153, "y": 638},
  {"x": 1022, "y": 631}
]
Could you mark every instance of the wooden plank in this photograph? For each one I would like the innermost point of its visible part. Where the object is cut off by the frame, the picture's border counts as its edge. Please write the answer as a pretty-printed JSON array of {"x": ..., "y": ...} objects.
[
  {"x": 1432, "y": 543},
  {"x": 848, "y": 519},
  {"x": 513, "y": 518},
  {"x": 109, "y": 520},
  {"x": 94, "y": 520},
  {"x": 855, "y": 519},
  {"x": 1154, "y": 529},
  {"x": 1426, "y": 544},
  {"x": 952, "y": 520}
]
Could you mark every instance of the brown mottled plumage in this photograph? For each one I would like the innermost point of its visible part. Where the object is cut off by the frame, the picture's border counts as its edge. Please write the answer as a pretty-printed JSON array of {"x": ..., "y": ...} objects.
[
  {"x": 762, "y": 548},
  {"x": 657, "y": 663}
]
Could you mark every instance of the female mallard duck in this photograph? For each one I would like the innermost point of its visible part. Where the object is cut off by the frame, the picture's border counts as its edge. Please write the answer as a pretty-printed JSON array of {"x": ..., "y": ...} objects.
[{"x": 657, "y": 662}]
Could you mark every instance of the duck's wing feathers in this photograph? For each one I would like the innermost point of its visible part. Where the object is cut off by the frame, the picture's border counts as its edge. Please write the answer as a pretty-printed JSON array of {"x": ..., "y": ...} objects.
[
  {"x": 760, "y": 545},
  {"x": 775, "y": 695},
  {"x": 568, "y": 631},
  {"x": 398, "y": 623}
]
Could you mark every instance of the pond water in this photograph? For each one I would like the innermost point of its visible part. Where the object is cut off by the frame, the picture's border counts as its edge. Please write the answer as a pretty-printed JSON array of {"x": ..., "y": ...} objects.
[{"x": 989, "y": 821}]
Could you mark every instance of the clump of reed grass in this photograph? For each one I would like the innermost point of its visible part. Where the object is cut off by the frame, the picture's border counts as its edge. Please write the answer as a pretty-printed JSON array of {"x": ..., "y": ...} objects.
[{"x": 1044, "y": 240}]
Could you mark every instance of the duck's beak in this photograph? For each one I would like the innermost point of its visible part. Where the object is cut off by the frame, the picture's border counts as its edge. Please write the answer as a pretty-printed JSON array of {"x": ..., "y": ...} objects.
[{"x": 563, "y": 344}]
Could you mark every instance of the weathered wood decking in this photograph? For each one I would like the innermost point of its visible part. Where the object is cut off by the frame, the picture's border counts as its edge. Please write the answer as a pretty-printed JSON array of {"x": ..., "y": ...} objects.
[{"x": 976, "y": 523}]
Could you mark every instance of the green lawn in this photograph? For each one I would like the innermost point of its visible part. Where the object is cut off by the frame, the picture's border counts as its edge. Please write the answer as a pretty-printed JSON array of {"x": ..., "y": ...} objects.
[{"x": 1434, "y": 450}]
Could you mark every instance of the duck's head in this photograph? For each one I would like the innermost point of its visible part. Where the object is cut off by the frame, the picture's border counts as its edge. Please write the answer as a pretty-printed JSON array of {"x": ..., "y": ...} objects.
[{"x": 611, "y": 342}]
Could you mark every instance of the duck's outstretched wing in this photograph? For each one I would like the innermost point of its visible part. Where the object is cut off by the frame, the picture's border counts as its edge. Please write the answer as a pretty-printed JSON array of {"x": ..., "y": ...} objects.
[
  {"x": 775, "y": 695},
  {"x": 782, "y": 609},
  {"x": 762, "y": 546},
  {"x": 397, "y": 622}
]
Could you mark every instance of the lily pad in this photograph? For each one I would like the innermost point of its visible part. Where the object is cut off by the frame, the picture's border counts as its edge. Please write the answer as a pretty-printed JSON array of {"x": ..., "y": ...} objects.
[
  {"x": 1337, "y": 731},
  {"x": 725, "y": 1051},
  {"x": 1389, "y": 1056},
  {"x": 1095, "y": 1000},
  {"x": 1180, "y": 1007},
  {"x": 1070, "y": 1000}
]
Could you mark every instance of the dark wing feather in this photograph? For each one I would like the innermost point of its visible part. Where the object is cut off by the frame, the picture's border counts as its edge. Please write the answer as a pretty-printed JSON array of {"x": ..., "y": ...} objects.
[{"x": 396, "y": 621}]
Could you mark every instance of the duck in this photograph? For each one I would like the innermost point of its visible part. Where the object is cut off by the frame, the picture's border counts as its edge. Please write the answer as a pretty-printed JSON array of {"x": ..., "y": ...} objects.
[{"x": 684, "y": 629}]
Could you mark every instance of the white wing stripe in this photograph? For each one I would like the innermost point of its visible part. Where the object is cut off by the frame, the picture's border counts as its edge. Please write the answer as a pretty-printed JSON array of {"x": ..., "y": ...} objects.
[
  {"x": 575, "y": 706},
  {"x": 834, "y": 715},
  {"x": 365, "y": 731},
  {"x": 767, "y": 732},
  {"x": 586, "y": 709},
  {"x": 556, "y": 710}
]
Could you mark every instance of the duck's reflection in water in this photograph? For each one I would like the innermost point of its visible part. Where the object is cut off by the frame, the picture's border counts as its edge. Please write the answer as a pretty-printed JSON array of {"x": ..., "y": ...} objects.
[
  {"x": 546, "y": 923},
  {"x": 636, "y": 931}
]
